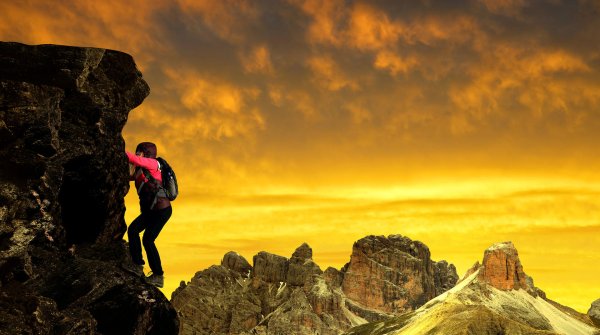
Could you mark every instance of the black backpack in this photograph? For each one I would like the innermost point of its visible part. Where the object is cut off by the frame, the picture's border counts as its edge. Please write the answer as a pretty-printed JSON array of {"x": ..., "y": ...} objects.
[
  {"x": 168, "y": 188},
  {"x": 169, "y": 181}
]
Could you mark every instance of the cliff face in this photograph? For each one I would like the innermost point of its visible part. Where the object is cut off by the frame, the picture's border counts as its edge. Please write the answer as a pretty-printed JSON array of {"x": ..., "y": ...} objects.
[
  {"x": 63, "y": 176},
  {"x": 394, "y": 274},
  {"x": 502, "y": 268},
  {"x": 293, "y": 296}
]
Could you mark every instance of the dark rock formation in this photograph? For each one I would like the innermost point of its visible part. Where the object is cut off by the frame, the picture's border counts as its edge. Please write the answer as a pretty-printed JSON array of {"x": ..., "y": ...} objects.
[
  {"x": 594, "y": 312},
  {"x": 62, "y": 182},
  {"x": 293, "y": 296},
  {"x": 394, "y": 274}
]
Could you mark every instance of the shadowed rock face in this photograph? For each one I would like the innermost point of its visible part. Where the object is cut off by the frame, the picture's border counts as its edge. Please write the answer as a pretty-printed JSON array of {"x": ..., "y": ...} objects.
[
  {"x": 594, "y": 312},
  {"x": 63, "y": 177},
  {"x": 293, "y": 296}
]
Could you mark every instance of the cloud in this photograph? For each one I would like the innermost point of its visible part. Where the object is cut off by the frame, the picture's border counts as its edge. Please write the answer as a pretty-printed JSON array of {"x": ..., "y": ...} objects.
[
  {"x": 505, "y": 7},
  {"x": 215, "y": 109},
  {"x": 371, "y": 29},
  {"x": 394, "y": 63},
  {"x": 329, "y": 75},
  {"x": 514, "y": 78},
  {"x": 326, "y": 17},
  {"x": 227, "y": 19},
  {"x": 113, "y": 24},
  {"x": 257, "y": 61}
]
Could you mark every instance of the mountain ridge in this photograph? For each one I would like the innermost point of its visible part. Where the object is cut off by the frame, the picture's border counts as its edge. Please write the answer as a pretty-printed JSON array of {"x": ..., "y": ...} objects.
[
  {"x": 495, "y": 297},
  {"x": 294, "y": 296}
]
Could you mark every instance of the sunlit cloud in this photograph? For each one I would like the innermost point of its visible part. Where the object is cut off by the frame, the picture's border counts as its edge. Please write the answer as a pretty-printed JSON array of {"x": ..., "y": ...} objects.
[
  {"x": 393, "y": 63},
  {"x": 326, "y": 17},
  {"x": 216, "y": 109},
  {"x": 227, "y": 19},
  {"x": 328, "y": 74},
  {"x": 371, "y": 28},
  {"x": 258, "y": 61}
]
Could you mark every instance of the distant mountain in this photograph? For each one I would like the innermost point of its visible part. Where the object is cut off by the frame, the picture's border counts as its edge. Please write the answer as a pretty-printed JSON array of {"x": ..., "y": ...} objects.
[
  {"x": 277, "y": 295},
  {"x": 496, "y": 297}
]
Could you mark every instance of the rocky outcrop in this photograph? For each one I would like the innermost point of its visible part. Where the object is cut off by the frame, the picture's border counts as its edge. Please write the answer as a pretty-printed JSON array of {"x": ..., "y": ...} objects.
[
  {"x": 594, "y": 312},
  {"x": 293, "y": 296},
  {"x": 234, "y": 261},
  {"x": 502, "y": 268},
  {"x": 276, "y": 296},
  {"x": 63, "y": 177},
  {"x": 394, "y": 274}
]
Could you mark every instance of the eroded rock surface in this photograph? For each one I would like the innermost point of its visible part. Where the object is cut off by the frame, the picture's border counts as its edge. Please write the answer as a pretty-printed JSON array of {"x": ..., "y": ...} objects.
[
  {"x": 63, "y": 177},
  {"x": 502, "y": 268},
  {"x": 394, "y": 274}
]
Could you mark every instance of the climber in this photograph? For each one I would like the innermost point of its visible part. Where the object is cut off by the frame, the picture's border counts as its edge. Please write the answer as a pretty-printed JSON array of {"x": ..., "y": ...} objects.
[{"x": 155, "y": 210}]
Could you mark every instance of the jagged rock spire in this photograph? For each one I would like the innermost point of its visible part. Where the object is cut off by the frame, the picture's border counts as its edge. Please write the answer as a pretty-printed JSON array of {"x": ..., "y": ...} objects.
[{"x": 304, "y": 252}]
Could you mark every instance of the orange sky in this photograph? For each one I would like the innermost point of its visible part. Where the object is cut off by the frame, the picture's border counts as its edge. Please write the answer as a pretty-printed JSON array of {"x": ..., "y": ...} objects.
[{"x": 457, "y": 123}]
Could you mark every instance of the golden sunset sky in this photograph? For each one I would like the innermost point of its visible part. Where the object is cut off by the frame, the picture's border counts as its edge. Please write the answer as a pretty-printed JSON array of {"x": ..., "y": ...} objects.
[{"x": 456, "y": 123}]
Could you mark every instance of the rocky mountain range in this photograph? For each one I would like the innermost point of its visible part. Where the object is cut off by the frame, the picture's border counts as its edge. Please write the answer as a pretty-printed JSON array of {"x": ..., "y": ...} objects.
[
  {"x": 495, "y": 297},
  {"x": 63, "y": 178},
  {"x": 276, "y": 295}
]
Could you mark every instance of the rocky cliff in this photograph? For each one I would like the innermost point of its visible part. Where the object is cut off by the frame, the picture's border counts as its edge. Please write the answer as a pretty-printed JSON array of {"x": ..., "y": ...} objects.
[
  {"x": 394, "y": 274},
  {"x": 63, "y": 177},
  {"x": 495, "y": 297},
  {"x": 278, "y": 295}
]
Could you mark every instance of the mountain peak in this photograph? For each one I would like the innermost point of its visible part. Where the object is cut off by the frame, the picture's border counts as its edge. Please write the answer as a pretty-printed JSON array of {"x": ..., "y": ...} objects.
[
  {"x": 502, "y": 268},
  {"x": 236, "y": 262},
  {"x": 304, "y": 252}
]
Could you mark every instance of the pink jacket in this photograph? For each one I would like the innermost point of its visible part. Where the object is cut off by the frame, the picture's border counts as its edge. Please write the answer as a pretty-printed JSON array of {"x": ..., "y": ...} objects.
[{"x": 151, "y": 165}]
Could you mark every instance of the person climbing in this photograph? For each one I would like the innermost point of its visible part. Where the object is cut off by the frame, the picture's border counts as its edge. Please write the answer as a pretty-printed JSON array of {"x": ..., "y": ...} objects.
[{"x": 155, "y": 210}]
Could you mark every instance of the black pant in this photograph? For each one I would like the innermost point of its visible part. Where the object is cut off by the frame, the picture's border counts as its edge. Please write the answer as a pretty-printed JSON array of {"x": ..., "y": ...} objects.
[{"x": 152, "y": 221}]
